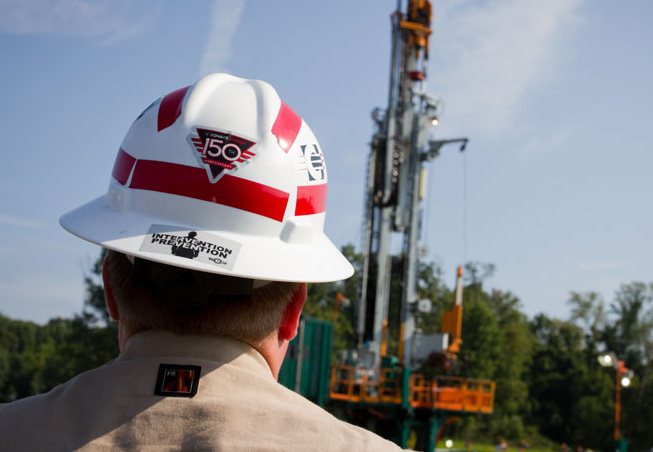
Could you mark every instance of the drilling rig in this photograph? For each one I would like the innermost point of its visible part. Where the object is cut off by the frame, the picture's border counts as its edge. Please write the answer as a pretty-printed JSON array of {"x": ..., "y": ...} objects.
[
  {"x": 396, "y": 182},
  {"x": 374, "y": 387}
]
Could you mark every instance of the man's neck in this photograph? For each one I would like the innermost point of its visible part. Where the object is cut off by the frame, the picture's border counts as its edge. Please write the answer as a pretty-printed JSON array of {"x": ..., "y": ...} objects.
[{"x": 273, "y": 349}]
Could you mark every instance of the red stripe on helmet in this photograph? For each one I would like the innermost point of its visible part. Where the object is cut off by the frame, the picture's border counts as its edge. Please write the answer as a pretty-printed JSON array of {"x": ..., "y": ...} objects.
[
  {"x": 311, "y": 199},
  {"x": 193, "y": 182},
  {"x": 122, "y": 167},
  {"x": 170, "y": 108},
  {"x": 286, "y": 127}
]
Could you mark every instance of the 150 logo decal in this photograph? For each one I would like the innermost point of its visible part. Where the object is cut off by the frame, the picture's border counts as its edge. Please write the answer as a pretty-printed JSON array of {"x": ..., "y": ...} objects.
[{"x": 221, "y": 152}]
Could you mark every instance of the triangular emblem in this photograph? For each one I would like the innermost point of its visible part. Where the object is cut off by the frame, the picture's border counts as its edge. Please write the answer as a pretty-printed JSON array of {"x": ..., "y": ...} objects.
[{"x": 221, "y": 152}]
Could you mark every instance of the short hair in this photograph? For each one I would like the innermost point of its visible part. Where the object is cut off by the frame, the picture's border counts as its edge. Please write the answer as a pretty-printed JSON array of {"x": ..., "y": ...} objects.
[{"x": 142, "y": 306}]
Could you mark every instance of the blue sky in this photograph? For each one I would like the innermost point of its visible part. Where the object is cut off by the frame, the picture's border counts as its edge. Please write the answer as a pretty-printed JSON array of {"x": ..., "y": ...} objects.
[{"x": 554, "y": 95}]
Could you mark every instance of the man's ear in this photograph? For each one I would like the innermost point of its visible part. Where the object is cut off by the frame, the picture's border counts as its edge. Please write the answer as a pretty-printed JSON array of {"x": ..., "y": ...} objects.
[
  {"x": 112, "y": 306},
  {"x": 290, "y": 319}
]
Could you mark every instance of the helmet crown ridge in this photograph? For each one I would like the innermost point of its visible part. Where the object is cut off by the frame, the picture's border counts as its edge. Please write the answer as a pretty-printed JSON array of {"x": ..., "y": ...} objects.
[{"x": 227, "y": 170}]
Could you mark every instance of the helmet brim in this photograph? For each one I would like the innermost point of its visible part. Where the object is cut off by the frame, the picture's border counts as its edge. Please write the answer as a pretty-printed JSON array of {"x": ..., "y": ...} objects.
[{"x": 261, "y": 258}]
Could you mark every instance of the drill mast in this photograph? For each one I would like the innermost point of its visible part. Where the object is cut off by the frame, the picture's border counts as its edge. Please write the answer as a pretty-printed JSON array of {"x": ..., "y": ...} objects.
[
  {"x": 383, "y": 392},
  {"x": 395, "y": 185}
]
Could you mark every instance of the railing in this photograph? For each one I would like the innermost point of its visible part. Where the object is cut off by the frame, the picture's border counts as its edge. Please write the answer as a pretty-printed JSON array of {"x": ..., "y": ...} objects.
[
  {"x": 356, "y": 384},
  {"x": 452, "y": 393}
]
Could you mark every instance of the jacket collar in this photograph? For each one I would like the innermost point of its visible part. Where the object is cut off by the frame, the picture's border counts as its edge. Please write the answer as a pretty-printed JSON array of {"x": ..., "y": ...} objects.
[{"x": 164, "y": 344}]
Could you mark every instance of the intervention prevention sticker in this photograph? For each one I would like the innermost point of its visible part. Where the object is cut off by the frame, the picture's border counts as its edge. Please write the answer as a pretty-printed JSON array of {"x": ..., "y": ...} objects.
[{"x": 199, "y": 246}]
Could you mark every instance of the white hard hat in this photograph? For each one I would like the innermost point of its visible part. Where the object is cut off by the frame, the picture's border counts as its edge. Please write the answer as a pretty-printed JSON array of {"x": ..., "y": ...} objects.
[{"x": 221, "y": 177}]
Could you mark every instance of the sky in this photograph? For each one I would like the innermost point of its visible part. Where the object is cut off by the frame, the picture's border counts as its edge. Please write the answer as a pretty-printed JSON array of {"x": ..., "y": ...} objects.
[{"x": 554, "y": 187}]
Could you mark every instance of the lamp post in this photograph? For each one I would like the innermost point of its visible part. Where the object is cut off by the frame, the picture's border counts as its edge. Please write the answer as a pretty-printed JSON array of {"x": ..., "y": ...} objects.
[{"x": 623, "y": 378}]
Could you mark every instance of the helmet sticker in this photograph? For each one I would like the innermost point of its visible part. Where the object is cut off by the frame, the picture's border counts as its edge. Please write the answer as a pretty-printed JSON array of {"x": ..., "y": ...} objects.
[
  {"x": 309, "y": 160},
  {"x": 199, "y": 246},
  {"x": 221, "y": 152}
]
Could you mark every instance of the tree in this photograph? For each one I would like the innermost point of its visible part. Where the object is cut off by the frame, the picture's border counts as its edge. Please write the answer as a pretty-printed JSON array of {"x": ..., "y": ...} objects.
[
  {"x": 431, "y": 287},
  {"x": 513, "y": 361},
  {"x": 94, "y": 335},
  {"x": 321, "y": 303},
  {"x": 630, "y": 336},
  {"x": 627, "y": 335},
  {"x": 477, "y": 272},
  {"x": 564, "y": 386},
  {"x": 497, "y": 345},
  {"x": 588, "y": 311}
]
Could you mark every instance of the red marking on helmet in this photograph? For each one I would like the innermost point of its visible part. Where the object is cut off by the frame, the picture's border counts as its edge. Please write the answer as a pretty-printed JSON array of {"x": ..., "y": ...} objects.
[
  {"x": 311, "y": 199},
  {"x": 170, "y": 108},
  {"x": 286, "y": 127},
  {"x": 192, "y": 182},
  {"x": 122, "y": 167}
]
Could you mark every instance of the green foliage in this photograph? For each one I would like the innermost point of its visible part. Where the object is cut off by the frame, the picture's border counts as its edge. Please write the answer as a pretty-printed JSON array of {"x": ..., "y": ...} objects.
[
  {"x": 432, "y": 287},
  {"x": 497, "y": 345},
  {"x": 479, "y": 354},
  {"x": 549, "y": 386},
  {"x": 321, "y": 303},
  {"x": 35, "y": 358},
  {"x": 561, "y": 379}
]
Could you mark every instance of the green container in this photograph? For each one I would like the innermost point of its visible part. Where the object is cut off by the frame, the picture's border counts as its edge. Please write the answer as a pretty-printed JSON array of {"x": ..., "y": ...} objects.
[
  {"x": 306, "y": 368},
  {"x": 389, "y": 362},
  {"x": 621, "y": 445}
]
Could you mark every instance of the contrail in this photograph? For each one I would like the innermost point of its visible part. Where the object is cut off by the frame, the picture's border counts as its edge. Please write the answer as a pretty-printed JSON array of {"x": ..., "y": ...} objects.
[{"x": 225, "y": 18}]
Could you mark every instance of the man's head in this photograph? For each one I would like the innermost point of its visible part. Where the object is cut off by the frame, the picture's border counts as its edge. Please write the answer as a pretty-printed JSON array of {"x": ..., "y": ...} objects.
[
  {"x": 146, "y": 302},
  {"x": 215, "y": 213}
]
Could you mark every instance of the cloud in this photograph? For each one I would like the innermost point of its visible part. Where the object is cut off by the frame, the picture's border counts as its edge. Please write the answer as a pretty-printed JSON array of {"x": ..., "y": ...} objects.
[
  {"x": 111, "y": 20},
  {"x": 534, "y": 144},
  {"x": 22, "y": 222},
  {"x": 601, "y": 265},
  {"x": 224, "y": 21},
  {"x": 492, "y": 54}
]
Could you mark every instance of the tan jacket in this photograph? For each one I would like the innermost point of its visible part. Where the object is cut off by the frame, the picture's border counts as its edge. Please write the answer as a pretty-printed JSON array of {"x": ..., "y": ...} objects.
[{"x": 238, "y": 407}]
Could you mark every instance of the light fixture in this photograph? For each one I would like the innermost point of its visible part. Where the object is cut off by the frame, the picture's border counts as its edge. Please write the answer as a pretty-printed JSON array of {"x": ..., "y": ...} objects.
[
  {"x": 448, "y": 443},
  {"x": 608, "y": 360},
  {"x": 434, "y": 121},
  {"x": 424, "y": 305},
  {"x": 627, "y": 378}
]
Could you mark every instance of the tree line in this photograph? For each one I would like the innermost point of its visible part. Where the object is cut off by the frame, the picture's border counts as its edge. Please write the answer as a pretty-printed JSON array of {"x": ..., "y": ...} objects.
[{"x": 550, "y": 387}]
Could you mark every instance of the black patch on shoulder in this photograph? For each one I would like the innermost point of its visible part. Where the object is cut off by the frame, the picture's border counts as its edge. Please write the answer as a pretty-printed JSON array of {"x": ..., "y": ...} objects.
[{"x": 176, "y": 380}]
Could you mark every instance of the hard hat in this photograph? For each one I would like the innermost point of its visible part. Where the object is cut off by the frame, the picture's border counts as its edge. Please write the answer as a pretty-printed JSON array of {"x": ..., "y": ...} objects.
[{"x": 221, "y": 177}]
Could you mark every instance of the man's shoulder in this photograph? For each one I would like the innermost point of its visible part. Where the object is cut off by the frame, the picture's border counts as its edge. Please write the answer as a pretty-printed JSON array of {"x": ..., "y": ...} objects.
[
  {"x": 34, "y": 403},
  {"x": 234, "y": 398},
  {"x": 58, "y": 413},
  {"x": 313, "y": 423},
  {"x": 54, "y": 396},
  {"x": 25, "y": 422}
]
